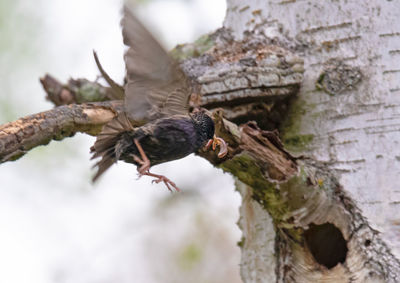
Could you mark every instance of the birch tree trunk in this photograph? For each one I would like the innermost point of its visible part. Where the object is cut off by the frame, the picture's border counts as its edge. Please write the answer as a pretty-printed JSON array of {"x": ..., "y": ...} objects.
[{"x": 345, "y": 116}]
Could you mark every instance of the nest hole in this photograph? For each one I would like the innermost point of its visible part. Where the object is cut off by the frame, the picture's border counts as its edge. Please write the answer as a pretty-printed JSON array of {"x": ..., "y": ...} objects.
[{"x": 327, "y": 244}]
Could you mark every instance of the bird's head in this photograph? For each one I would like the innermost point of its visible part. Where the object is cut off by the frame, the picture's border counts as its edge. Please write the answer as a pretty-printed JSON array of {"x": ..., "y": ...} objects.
[
  {"x": 204, "y": 124},
  {"x": 206, "y": 129}
]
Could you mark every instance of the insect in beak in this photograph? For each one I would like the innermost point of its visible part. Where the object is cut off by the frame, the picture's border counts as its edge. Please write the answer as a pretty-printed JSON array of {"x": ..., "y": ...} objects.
[{"x": 217, "y": 141}]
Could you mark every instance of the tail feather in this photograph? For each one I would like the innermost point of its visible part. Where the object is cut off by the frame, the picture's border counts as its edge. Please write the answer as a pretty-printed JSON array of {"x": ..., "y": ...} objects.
[
  {"x": 106, "y": 142},
  {"x": 103, "y": 165},
  {"x": 117, "y": 90}
]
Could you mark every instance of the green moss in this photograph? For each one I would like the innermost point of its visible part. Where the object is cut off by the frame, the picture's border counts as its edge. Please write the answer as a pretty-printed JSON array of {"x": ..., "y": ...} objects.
[
  {"x": 241, "y": 242},
  {"x": 16, "y": 156},
  {"x": 291, "y": 127},
  {"x": 296, "y": 187},
  {"x": 297, "y": 143},
  {"x": 184, "y": 51},
  {"x": 204, "y": 43},
  {"x": 266, "y": 193},
  {"x": 279, "y": 199},
  {"x": 319, "y": 84},
  {"x": 90, "y": 92}
]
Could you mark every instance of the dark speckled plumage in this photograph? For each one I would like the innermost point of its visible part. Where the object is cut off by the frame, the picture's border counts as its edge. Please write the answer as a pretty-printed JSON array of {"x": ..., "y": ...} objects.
[
  {"x": 156, "y": 108},
  {"x": 165, "y": 139},
  {"x": 162, "y": 140}
]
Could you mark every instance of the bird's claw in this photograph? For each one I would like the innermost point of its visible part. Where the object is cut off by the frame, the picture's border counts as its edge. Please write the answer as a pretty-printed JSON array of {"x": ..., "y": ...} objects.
[
  {"x": 160, "y": 178},
  {"x": 222, "y": 145},
  {"x": 167, "y": 182}
]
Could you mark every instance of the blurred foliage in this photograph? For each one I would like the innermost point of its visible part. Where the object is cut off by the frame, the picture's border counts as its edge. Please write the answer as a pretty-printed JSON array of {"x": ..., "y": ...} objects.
[
  {"x": 20, "y": 25},
  {"x": 190, "y": 256}
]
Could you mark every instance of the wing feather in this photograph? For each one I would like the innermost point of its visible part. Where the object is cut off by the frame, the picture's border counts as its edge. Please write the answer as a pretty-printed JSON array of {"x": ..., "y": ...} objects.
[{"x": 156, "y": 86}]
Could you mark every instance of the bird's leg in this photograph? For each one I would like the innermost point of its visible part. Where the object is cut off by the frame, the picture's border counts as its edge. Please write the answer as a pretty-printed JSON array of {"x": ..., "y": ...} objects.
[
  {"x": 145, "y": 167},
  {"x": 217, "y": 141},
  {"x": 143, "y": 161}
]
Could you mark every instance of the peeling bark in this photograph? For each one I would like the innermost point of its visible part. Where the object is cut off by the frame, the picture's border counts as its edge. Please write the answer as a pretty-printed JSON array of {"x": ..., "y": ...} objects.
[{"x": 321, "y": 233}]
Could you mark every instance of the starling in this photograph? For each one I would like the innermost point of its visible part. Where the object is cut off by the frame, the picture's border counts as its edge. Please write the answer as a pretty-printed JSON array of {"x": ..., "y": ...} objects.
[{"x": 155, "y": 126}]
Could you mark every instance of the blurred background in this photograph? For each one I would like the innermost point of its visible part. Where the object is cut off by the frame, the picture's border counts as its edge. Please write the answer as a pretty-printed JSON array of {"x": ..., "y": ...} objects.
[{"x": 55, "y": 226}]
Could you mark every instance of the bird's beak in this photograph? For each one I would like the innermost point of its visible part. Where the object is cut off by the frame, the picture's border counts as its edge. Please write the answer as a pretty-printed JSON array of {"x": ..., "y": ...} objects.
[{"x": 217, "y": 141}]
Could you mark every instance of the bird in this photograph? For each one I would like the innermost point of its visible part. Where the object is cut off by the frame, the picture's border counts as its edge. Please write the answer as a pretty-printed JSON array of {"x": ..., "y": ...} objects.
[{"x": 155, "y": 125}]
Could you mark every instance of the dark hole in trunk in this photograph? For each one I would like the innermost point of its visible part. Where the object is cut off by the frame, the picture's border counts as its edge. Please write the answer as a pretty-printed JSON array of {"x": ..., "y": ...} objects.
[{"x": 326, "y": 244}]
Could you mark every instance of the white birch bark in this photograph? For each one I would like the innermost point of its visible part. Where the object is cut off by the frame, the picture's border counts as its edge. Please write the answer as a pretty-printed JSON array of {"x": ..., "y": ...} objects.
[{"x": 354, "y": 121}]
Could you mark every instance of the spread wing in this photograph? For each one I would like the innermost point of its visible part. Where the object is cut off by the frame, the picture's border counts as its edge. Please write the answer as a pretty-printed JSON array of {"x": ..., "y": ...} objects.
[{"x": 156, "y": 86}]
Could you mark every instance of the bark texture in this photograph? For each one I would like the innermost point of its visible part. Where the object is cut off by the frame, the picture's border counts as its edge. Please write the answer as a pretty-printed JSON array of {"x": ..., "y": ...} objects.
[
  {"x": 18, "y": 137},
  {"x": 345, "y": 116}
]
